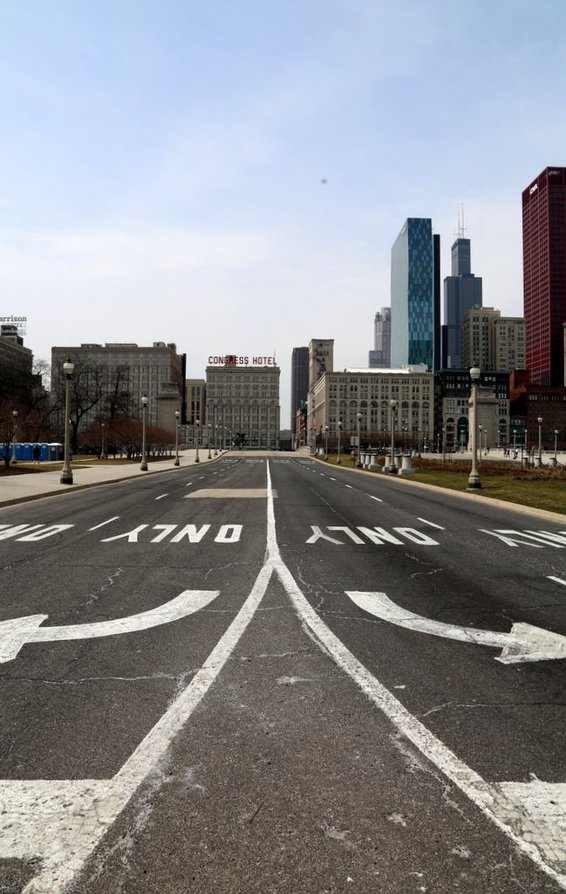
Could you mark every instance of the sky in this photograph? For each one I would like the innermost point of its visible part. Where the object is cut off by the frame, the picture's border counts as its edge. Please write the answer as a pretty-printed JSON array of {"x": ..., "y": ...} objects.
[{"x": 231, "y": 175}]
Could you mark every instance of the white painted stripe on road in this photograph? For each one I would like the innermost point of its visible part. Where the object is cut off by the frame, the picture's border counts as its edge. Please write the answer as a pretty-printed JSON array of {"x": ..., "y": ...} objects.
[
  {"x": 63, "y": 821},
  {"x": 162, "y": 496},
  {"x": 333, "y": 479},
  {"x": 557, "y": 580},
  {"x": 107, "y": 522},
  {"x": 349, "y": 485},
  {"x": 512, "y": 816},
  {"x": 432, "y": 524},
  {"x": 375, "y": 498}
]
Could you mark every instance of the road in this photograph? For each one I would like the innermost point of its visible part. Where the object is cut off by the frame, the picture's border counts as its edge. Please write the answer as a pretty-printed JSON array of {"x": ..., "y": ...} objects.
[{"x": 268, "y": 675}]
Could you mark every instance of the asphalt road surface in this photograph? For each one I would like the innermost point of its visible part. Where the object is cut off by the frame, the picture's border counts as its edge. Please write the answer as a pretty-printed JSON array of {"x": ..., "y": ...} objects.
[{"x": 267, "y": 675}]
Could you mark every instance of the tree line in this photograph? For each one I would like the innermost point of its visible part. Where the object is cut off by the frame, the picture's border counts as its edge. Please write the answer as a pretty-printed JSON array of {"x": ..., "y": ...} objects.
[{"x": 32, "y": 410}]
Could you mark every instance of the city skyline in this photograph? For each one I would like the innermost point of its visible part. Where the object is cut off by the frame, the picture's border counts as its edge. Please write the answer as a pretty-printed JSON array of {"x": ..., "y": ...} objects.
[{"x": 232, "y": 179}]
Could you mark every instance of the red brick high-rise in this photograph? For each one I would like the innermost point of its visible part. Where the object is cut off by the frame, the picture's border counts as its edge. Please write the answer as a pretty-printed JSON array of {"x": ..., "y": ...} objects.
[{"x": 544, "y": 275}]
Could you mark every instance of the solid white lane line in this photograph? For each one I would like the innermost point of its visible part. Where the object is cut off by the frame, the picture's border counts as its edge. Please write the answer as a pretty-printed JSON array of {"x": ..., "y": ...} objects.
[
  {"x": 64, "y": 821},
  {"x": 523, "y": 822},
  {"x": 162, "y": 496},
  {"x": 557, "y": 580}
]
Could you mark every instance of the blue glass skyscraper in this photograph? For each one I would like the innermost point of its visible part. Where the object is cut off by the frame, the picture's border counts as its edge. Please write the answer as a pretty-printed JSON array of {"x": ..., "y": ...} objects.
[{"x": 415, "y": 295}]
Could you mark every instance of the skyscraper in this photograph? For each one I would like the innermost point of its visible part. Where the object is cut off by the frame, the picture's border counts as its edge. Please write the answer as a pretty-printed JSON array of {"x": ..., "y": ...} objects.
[
  {"x": 544, "y": 275},
  {"x": 415, "y": 295},
  {"x": 299, "y": 382},
  {"x": 380, "y": 357},
  {"x": 462, "y": 292}
]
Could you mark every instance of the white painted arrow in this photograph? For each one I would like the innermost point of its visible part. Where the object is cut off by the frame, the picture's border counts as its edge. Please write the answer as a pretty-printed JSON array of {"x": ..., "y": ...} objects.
[
  {"x": 523, "y": 643},
  {"x": 16, "y": 632}
]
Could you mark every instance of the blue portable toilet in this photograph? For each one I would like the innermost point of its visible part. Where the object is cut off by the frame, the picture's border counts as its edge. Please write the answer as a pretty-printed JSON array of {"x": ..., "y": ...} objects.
[
  {"x": 44, "y": 452},
  {"x": 55, "y": 451},
  {"x": 27, "y": 452}
]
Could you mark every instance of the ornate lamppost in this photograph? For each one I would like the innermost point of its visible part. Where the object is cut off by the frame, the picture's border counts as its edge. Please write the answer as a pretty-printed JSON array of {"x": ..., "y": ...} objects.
[
  {"x": 474, "y": 481},
  {"x": 197, "y": 425},
  {"x": 338, "y": 460},
  {"x": 67, "y": 472},
  {"x": 326, "y": 442},
  {"x": 14, "y": 433},
  {"x": 539, "y": 420},
  {"x": 144, "y": 400},
  {"x": 359, "y": 460},
  {"x": 392, "y": 468},
  {"x": 208, "y": 440},
  {"x": 177, "y": 461}
]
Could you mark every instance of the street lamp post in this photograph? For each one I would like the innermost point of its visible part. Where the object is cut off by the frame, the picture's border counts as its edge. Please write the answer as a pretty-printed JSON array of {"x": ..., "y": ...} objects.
[
  {"x": 177, "y": 461},
  {"x": 555, "y": 446},
  {"x": 14, "y": 433},
  {"x": 539, "y": 420},
  {"x": 392, "y": 467},
  {"x": 359, "y": 460},
  {"x": 338, "y": 460},
  {"x": 67, "y": 472},
  {"x": 208, "y": 439},
  {"x": 474, "y": 481},
  {"x": 197, "y": 424},
  {"x": 326, "y": 442},
  {"x": 144, "y": 400},
  {"x": 214, "y": 431},
  {"x": 102, "y": 445}
]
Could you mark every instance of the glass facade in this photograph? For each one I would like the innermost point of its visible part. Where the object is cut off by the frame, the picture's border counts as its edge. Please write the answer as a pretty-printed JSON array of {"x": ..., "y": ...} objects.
[{"x": 412, "y": 295}]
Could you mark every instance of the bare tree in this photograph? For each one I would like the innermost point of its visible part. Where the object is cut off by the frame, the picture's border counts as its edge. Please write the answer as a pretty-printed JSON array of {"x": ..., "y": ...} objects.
[{"x": 86, "y": 388}]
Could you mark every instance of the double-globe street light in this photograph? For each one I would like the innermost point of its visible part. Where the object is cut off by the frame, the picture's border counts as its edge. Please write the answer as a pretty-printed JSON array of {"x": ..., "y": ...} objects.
[
  {"x": 144, "y": 400},
  {"x": 67, "y": 472},
  {"x": 474, "y": 481}
]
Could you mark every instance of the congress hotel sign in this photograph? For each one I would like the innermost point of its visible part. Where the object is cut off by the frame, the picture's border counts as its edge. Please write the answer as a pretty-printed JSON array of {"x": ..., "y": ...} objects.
[{"x": 235, "y": 360}]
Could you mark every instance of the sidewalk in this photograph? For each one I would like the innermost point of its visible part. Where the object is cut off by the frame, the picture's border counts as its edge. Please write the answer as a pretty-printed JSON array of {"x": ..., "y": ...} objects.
[{"x": 34, "y": 485}]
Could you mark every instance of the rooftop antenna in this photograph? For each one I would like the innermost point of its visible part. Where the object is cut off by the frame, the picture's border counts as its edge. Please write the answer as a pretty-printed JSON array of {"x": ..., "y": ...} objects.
[{"x": 461, "y": 234}]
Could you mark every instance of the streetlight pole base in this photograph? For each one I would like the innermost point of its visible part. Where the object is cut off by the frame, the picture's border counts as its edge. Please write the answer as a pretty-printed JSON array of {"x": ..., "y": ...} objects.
[
  {"x": 474, "y": 482},
  {"x": 177, "y": 462},
  {"x": 66, "y": 477},
  {"x": 143, "y": 467}
]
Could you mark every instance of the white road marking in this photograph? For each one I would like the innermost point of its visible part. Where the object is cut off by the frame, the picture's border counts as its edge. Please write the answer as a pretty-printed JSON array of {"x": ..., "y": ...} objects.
[
  {"x": 523, "y": 643},
  {"x": 432, "y": 524},
  {"x": 375, "y": 498},
  {"x": 558, "y": 580},
  {"x": 107, "y": 522},
  {"x": 162, "y": 496},
  {"x": 16, "y": 632},
  {"x": 189, "y": 484},
  {"x": 62, "y": 821},
  {"x": 333, "y": 479},
  {"x": 536, "y": 824},
  {"x": 349, "y": 485}
]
